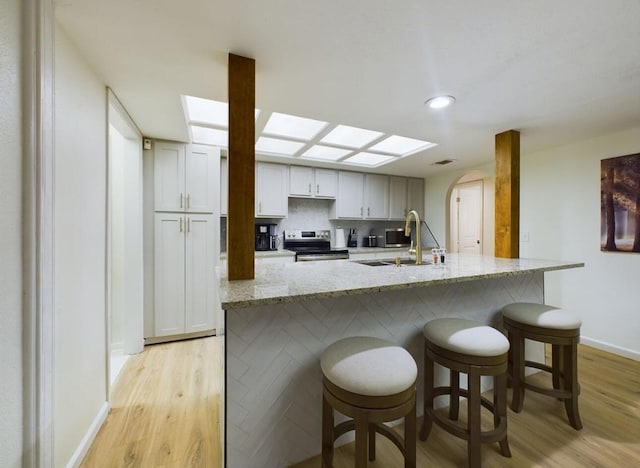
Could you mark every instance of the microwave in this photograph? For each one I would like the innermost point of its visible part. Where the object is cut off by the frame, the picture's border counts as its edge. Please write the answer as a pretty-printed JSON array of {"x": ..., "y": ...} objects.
[{"x": 395, "y": 237}]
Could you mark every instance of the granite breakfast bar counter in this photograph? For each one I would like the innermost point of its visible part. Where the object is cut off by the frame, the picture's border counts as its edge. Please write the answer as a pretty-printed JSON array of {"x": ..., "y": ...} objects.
[{"x": 278, "y": 324}]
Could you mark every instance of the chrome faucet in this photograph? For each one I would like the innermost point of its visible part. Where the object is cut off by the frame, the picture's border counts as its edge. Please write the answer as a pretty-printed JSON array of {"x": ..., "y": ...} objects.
[{"x": 407, "y": 231}]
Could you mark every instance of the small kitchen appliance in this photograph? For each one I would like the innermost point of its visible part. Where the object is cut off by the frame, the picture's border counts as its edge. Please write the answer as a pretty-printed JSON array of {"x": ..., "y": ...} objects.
[
  {"x": 312, "y": 245},
  {"x": 353, "y": 238},
  {"x": 267, "y": 236},
  {"x": 339, "y": 240}
]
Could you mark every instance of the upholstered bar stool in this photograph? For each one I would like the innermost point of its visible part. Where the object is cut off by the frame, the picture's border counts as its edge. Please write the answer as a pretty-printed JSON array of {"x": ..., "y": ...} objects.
[
  {"x": 476, "y": 350},
  {"x": 546, "y": 324},
  {"x": 372, "y": 381}
]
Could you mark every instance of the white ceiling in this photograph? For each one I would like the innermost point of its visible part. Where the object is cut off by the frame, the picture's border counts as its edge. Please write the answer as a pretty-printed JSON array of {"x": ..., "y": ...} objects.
[{"x": 557, "y": 71}]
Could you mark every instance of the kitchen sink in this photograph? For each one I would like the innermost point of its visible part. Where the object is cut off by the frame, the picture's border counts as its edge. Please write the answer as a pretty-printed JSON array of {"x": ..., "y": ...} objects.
[{"x": 390, "y": 261}]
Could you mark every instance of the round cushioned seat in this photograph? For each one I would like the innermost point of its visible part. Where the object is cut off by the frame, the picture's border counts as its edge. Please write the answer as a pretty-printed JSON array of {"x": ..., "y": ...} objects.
[
  {"x": 369, "y": 366},
  {"x": 541, "y": 315},
  {"x": 466, "y": 337}
]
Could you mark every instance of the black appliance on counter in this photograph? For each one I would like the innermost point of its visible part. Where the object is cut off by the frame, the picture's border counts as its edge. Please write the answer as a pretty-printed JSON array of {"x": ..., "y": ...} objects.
[
  {"x": 267, "y": 236},
  {"x": 312, "y": 245}
]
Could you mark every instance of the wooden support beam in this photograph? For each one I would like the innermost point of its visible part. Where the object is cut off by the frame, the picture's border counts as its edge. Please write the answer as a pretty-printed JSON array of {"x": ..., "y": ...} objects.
[
  {"x": 241, "y": 165},
  {"x": 507, "y": 207}
]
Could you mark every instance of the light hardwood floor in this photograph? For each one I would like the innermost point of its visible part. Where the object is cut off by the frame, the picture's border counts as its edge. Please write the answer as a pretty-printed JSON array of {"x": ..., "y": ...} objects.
[
  {"x": 165, "y": 414},
  {"x": 164, "y": 409}
]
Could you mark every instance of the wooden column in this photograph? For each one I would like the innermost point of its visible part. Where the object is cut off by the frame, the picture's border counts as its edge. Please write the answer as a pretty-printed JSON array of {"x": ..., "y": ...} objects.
[
  {"x": 507, "y": 208},
  {"x": 241, "y": 165}
]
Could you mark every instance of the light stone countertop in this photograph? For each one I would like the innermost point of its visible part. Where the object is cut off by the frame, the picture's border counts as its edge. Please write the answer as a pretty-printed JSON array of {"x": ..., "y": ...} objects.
[{"x": 291, "y": 282}]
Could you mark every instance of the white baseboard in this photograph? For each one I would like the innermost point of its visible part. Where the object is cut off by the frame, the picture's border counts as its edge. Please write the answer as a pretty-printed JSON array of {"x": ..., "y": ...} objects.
[
  {"x": 89, "y": 437},
  {"x": 619, "y": 350}
]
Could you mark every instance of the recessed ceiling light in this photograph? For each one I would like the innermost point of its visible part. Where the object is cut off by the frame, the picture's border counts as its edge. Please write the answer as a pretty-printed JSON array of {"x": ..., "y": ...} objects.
[
  {"x": 325, "y": 153},
  {"x": 401, "y": 146},
  {"x": 278, "y": 146},
  {"x": 368, "y": 159},
  {"x": 209, "y": 136},
  {"x": 438, "y": 102},
  {"x": 293, "y": 127},
  {"x": 351, "y": 137}
]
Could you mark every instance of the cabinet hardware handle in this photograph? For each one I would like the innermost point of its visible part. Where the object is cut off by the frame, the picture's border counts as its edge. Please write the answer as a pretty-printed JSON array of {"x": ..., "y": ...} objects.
[
  {"x": 318, "y": 188},
  {"x": 309, "y": 188},
  {"x": 180, "y": 199},
  {"x": 259, "y": 207},
  {"x": 369, "y": 211},
  {"x": 188, "y": 224},
  {"x": 361, "y": 211},
  {"x": 180, "y": 223},
  {"x": 188, "y": 201}
]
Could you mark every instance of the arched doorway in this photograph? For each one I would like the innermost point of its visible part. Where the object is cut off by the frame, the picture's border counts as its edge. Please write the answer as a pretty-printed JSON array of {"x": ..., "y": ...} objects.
[{"x": 471, "y": 213}]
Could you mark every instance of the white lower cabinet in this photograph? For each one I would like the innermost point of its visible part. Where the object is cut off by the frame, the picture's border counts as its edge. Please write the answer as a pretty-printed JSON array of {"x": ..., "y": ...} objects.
[{"x": 184, "y": 273}]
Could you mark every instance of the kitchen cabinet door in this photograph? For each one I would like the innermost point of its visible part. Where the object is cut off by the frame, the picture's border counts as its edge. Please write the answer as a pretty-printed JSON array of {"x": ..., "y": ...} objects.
[
  {"x": 184, "y": 177},
  {"x": 301, "y": 181},
  {"x": 272, "y": 190},
  {"x": 415, "y": 196},
  {"x": 349, "y": 202},
  {"x": 376, "y": 196},
  {"x": 326, "y": 183},
  {"x": 397, "y": 198},
  {"x": 184, "y": 264},
  {"x": 169, "y": 255},
  {"x": 169, "y": 176},
  {"x": 224, "y": 187},
  {"x": 200, "y": 185},
  {"x": 199, "y": 277}
]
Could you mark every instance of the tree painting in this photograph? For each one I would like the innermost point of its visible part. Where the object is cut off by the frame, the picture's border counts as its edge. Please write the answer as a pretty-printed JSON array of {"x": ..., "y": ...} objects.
[{"x": 620, "y": 204}]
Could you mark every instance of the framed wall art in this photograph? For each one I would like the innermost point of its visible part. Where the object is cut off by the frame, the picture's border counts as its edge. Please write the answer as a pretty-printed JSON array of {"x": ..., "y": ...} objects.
[{"x": 620, "y": 204}]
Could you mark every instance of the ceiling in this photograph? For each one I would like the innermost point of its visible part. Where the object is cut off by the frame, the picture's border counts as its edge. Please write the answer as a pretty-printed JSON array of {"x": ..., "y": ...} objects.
[{"x": 556, "y": 71}]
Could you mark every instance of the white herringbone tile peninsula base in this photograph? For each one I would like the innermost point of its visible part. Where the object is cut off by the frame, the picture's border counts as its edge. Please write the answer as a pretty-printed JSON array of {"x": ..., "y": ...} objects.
[{"x": 274, "y": 380}]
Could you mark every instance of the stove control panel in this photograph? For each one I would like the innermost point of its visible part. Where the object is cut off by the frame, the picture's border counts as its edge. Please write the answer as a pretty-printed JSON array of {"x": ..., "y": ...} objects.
[{"x": 307, "y": 235}]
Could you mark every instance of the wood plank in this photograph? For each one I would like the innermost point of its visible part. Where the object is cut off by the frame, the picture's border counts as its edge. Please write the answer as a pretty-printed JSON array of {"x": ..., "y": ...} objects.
[
  {"x": 241, "y": 165},
  {"x": 507, "y": 194}
]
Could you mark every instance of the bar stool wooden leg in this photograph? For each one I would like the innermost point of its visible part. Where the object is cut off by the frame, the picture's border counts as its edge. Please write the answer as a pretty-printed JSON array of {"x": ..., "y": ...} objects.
[
  {"x": 556, "y": 366},
  {"x": 500, "y": 405},
  {"x": 570, "y": 370},
  {"x": 410, "y": 439},
  {"x": 362, "y": 426},
  {"x": 517, "y": 372},
  {"x": 454, "y": 399},
  {"x": 372, "y": 442},
  {"x": 427, "y": 422},
  {"x": 473, "y": 418},
  {"x": 327, "y": 434}
]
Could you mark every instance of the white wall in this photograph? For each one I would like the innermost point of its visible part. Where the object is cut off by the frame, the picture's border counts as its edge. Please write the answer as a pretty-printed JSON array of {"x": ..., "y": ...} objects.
[
  {"x": 10, "y": 238},
  {"x": 560, "y": 209},
  {"x": 80, "y": 218}
]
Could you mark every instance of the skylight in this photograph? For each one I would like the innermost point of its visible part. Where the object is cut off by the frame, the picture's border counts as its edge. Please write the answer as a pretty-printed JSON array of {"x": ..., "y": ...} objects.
[
  {"x": 299, "y": 137},
  {"x": 369, "y": 159},
  {"x": 401, "y": 146},
  {"x": 292, "y": 126},
  {"x": 278, "y": 146},
  {"x": 351, "y": 137},
  {"x": 325, "y": 153}
]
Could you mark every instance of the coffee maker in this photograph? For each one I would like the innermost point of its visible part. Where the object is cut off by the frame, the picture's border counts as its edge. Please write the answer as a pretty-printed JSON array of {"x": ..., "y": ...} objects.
[{"x": 267, "y": 236}]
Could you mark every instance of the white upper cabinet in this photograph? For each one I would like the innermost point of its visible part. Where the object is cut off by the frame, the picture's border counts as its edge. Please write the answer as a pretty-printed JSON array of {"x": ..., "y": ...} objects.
[
  {"x": 326, "y": 183},
  {"x": 415, "y": 196},
  {"x": 184, "y": 177},
  {"x": 397, "y": 197},
  {"x": 311, "y": 182},
  {"x": 272, "y": 190},
  {"x": 349, "y": 201},
  {"x": 376, "y": 197},
  {"x": 301, "y": 181}
]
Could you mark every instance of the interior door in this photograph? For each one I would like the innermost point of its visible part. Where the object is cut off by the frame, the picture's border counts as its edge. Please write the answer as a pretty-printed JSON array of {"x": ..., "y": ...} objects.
[{"x": 469, "y": 216}]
